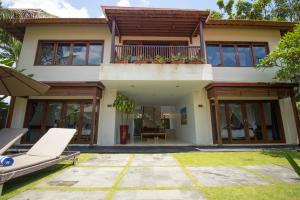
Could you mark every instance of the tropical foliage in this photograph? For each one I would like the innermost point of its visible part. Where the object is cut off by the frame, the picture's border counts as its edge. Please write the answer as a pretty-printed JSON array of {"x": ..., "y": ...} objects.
[
  {"x": 286, "y": 56},
  {"x": 281, "y": 10},
  {"x": 124, "y": 105}
]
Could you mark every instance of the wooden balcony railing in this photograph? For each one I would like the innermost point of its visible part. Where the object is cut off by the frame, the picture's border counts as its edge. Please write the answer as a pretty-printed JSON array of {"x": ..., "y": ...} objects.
[{"x": 157, "y": 54}]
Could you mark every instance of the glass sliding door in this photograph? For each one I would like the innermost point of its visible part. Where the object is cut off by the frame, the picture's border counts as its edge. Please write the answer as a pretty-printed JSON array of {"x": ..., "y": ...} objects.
[
  {"x": 86, "y": 121},
  {"x": 42, "y": 115},
  {"x": 54, "y": 115},
  {"x": 223, "y": 124},
  {"x": 271, "y": 121},
  {"x": 236, "y": 122},
  {"x": 254, "y": 121},
  {"x": 35, "y": 124},
  {"x": 248, "y": 122}
]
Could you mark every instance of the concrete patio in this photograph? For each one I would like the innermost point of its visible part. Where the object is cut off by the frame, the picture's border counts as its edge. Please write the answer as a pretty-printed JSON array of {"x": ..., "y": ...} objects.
[{"x": 148, "y": 177}]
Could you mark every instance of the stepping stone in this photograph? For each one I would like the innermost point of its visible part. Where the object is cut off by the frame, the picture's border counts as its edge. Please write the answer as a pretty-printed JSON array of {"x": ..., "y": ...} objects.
[
  {"x": 217, "y": 176},
  {"x": 281, "y": 173},
  {"x": 84, "y": 177},
  {"x": 107, "y": 160},
  {"x": 156, "y": 177},
  {"x": 61, "y": 194},
  {"x": 154, "y": 160},
  {"x": 158, "y": 195}
]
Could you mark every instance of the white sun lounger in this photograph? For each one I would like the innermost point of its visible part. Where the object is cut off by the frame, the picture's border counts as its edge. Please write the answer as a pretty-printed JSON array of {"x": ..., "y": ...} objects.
[
  {"x": 9, "y": 136},
  {"x": 48, "y": 151}
]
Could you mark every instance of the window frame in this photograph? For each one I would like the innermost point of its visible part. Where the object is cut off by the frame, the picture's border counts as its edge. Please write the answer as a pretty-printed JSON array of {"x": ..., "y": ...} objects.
[
  {"x": 70, "y": 59},
  {"x": 236, "y": 44}
]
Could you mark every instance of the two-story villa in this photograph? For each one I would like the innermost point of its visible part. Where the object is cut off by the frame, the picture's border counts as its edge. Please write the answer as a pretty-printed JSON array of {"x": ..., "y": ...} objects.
[{"x": 191, "y": 77}]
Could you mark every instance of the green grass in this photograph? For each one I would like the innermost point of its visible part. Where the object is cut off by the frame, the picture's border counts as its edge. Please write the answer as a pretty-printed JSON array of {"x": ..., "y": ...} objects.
[
  {"x": 276, "y": 190},
  {"x": 234, "y": 158},
  {"x": 259, "y": 192},
  {"x": 18, "y": 185}
]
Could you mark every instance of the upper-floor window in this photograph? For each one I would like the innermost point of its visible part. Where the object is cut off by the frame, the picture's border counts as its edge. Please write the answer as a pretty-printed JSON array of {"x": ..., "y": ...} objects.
[
  {"x": 235, "y": 54},
  {"x": 69, "y": 53}
]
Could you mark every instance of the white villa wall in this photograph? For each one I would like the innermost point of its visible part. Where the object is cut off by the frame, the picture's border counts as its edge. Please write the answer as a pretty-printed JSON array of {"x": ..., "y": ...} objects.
[
  {"x": 62, "y": 32},
  {"x": 288, "y": 120},
  {"x": 107, "y": 119},
  {"x": 202, "y": 118},
  {"x": 243, "y": 74},
  {"x": 19, "y": 113},
  {"x": 198, "y": 129},
  {"x": 156, "y": 72}
]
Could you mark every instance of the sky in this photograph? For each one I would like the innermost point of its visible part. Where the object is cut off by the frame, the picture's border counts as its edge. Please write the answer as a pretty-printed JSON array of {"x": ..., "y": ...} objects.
[{"x": 91, "y": 8}]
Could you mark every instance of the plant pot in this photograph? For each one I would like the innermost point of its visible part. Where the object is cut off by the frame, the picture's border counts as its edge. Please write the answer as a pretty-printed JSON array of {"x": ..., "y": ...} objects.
[
  {"x": 121, "y": 62},
  {"x": 177, "y": 62},
  {"x": 195, "y": 62},
  {"x": 156, "y": 62},
  {"x": 123, "y": 134},
  {"x": 141, "y": 62}
]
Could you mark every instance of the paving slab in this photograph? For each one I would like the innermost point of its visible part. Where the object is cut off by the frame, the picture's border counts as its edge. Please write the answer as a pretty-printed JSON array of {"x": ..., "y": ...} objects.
[
  {"x": 156, "y": 177},
  {"x": 153, "y": 160},
  {"x": 218, "y": 176},
  {"x": 158, "y": 195},
  {"x": 107, "y": 160},
  {"x": 84, "y": 177},
  {"x": 61, "y": 194},
  {"x": 283, "y": 173}
]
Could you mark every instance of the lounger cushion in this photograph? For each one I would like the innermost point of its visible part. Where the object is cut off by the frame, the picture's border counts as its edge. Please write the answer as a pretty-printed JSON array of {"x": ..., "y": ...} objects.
[
  {"x": 53, "y": 143},
  {"x": 9, "y": 136},
  {"x": 23, "y": 161}
]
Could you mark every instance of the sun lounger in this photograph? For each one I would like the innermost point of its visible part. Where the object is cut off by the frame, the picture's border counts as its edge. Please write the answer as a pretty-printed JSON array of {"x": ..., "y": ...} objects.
[
  {"x": 48, "y": 151},
  {"x": 9, "y": 136}
]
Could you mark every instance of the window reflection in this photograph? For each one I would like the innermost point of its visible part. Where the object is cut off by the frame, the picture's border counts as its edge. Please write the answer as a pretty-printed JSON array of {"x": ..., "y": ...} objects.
[
  {"x": 46, "y": 54},
  {"x": 79, "y": 54},
  {"x": 214, "y": 56},
  {"x": 95, "y": 54},
  {"x": 259, "y": 52},
  {"x": 63, "y": 53},
  {"x": 229, "y": 55},
  {"x": 244, "y": 56}
]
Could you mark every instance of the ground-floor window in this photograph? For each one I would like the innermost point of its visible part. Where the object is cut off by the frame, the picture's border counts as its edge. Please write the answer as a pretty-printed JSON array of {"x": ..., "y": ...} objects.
[
  {"x": 248, "y": 122},
  {"x": 42, "y": 115}
]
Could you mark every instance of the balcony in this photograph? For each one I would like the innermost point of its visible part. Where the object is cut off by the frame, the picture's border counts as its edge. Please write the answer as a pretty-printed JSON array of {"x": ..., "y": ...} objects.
[{"x": 153, "y": 54}]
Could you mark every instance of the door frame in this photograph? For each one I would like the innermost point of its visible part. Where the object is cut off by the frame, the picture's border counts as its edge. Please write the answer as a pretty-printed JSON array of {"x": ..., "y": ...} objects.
[
  {"x": 245, "y": 121},
  {"x": 78, "y": 138}
]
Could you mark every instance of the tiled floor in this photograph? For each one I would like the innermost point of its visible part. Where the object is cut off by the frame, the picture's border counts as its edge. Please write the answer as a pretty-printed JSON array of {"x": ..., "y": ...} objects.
[{"x": 146, "y": 177}]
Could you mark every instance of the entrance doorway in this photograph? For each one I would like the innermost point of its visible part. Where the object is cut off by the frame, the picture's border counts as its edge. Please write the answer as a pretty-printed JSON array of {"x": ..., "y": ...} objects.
[{"x": 248, "y": 122}]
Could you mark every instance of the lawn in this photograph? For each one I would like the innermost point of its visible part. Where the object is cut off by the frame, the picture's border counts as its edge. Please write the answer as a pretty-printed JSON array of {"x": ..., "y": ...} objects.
[{"x": 275, "y": 190}]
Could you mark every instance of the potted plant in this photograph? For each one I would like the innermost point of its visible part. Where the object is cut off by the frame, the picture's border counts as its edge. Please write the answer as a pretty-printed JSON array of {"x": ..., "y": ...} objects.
[
  {"x": 185, "y": 59},
  {"x": 124, "y": 106},
  {"x": 123, "y": 60},
  {"x": 176, "y": 59},
  {"x": 141, "y": 60},
  {"x": 196, "y": 60},
  {"x": 159, "y": 59}
]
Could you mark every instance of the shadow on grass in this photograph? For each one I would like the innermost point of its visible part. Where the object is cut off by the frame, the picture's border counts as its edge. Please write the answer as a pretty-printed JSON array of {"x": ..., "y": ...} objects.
[
  {"x": 22, "y": 181},
  {"x": 281, "y": 154}
]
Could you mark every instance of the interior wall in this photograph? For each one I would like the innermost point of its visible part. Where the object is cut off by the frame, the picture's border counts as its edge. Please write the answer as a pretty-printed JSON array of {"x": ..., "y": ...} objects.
[
  {"x": 288, "y": 120},
  {"x": 107, "y": 119},
  {"x": 186, "y": 132}
]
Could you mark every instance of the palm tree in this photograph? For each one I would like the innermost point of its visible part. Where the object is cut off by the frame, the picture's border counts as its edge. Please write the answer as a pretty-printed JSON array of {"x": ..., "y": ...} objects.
[{"x": 10, "y": 47}]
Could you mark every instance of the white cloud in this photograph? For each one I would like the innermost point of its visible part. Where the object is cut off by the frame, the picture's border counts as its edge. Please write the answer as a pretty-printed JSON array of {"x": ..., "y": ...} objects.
[
  {"x": 145, "y": 2},
  {"x": 125, "y": 3},
  {"x": 60, "y": 8}
]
